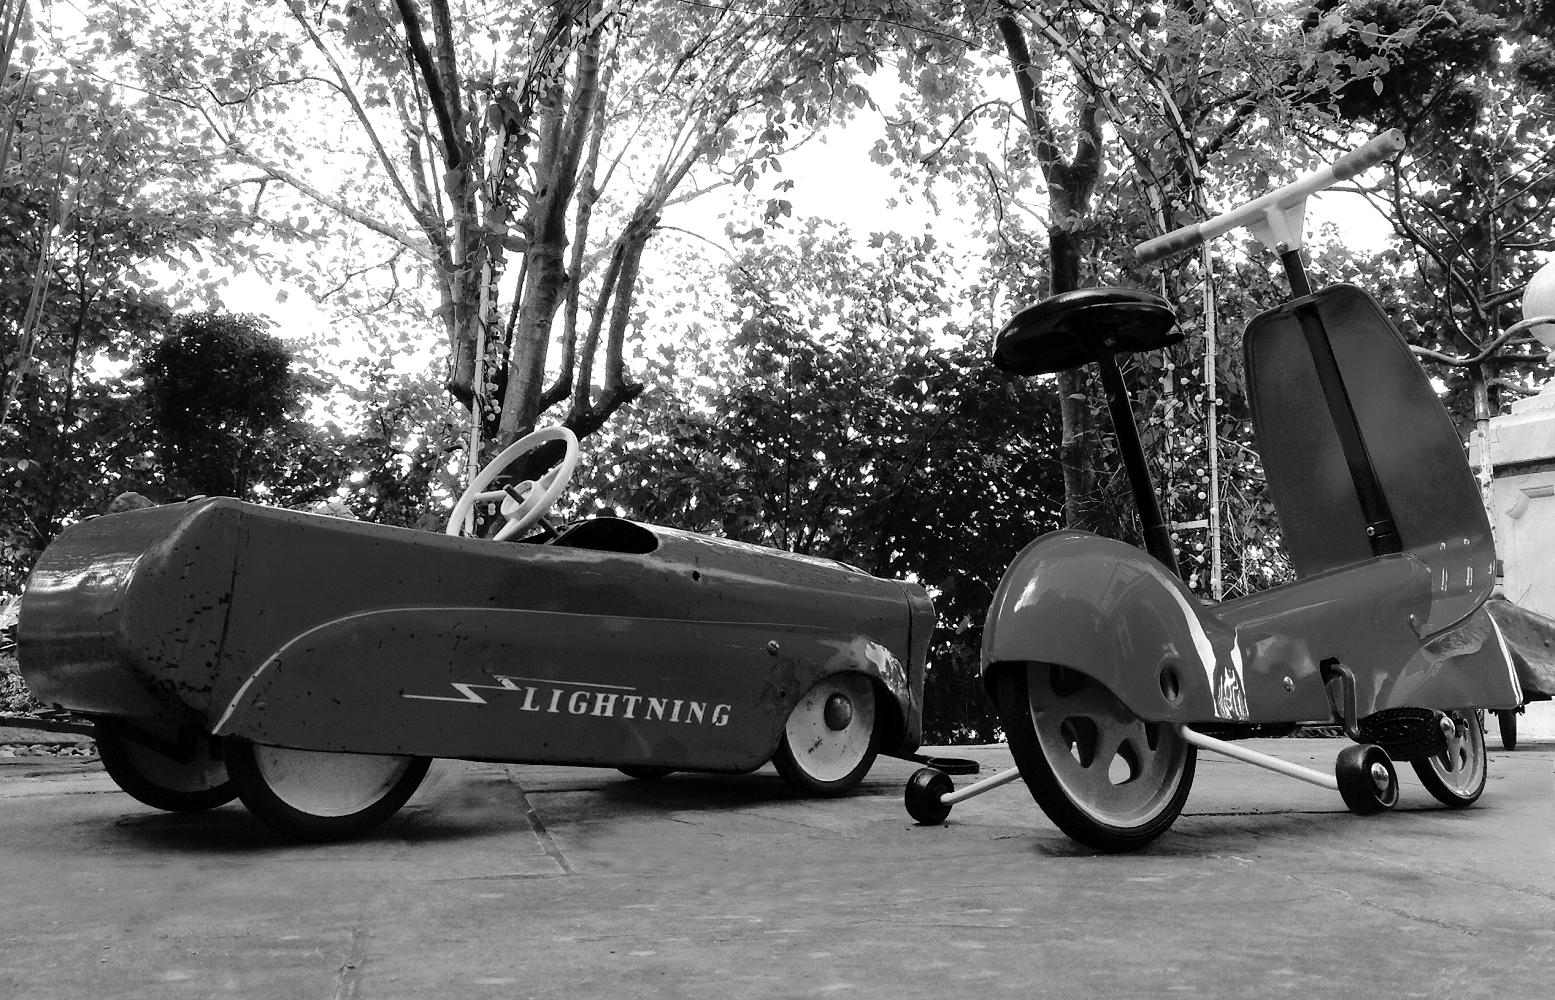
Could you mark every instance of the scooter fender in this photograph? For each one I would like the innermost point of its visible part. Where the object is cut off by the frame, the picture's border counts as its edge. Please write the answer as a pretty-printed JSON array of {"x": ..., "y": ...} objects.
[{"x": 1110, "y": 611}]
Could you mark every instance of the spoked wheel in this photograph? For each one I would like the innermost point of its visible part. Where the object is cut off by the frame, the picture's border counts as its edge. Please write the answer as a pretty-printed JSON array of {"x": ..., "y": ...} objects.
[
  {"x": 321, "y": 795},
  {"x": 1456, "y": 776},
  {"x": 828, "y": 741},
  {"x": 1104, "y": 776},
  {"x": 160, "y": 767},
  {"x": 1506, "y": 720}
]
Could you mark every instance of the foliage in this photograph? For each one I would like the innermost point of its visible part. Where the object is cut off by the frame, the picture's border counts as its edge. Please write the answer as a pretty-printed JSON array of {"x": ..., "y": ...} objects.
[
  {"x": 844, "y": 419},
  {"x": 389, "y": 463},
  {"x": 217, "y": 387},
  {"x": 513, "y": 160},
  {"x": 90, "y": 195},
  {"x": 1468, "y": 83}
]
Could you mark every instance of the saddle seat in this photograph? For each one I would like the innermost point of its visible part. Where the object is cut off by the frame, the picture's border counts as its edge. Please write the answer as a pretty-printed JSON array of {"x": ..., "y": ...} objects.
[{"x": 1070, "y": 329}]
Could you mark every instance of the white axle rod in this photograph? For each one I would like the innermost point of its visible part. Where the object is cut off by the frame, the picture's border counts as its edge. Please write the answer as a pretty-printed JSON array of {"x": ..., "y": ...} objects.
[
  {"x": 979, "y": 787},
  {"x": 1253, "y": 757}
]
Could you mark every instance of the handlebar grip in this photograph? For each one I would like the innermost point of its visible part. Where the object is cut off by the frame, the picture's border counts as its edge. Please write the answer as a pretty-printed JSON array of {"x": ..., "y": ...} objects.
[
  {"x": 1169, "y": 244},
  {"x": 1379, "y": 150}
]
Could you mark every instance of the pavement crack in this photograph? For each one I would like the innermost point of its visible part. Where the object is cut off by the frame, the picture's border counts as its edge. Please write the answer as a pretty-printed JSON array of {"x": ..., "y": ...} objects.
[
  {"x": 1371, "y": 902},
  {"x": 537, "y": 827}
]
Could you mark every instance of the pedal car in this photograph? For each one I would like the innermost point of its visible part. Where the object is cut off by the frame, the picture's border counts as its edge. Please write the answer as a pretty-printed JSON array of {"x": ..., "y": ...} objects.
[{"x": 312, "y": 666}]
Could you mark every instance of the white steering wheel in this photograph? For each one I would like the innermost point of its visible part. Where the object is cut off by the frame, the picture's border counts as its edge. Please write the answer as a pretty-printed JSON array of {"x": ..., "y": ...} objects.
[{"x": 522, "y": 504}]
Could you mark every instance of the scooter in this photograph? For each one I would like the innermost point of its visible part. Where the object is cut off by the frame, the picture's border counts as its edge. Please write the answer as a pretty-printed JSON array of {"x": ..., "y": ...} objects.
[{"x": 1109, "y": 675}]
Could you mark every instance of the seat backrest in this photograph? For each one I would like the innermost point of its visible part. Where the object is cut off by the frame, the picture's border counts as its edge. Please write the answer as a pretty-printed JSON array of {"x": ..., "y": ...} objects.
[{"x": 1414, "y": 453}]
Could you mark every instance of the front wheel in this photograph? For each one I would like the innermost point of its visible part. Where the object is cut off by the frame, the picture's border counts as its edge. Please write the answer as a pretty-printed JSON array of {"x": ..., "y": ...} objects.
[
  {"x": 1456, "y": 776},
  {"x": 1105, "y": 777},
  {"x": 829, "y": 740},
  {"x": 321, "y": 795},
  {"x": 163, "y": 768}
]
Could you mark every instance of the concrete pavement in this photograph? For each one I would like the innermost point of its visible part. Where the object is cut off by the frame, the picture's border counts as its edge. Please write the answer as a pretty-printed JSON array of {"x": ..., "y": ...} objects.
[{"x": 561, "y": 882}]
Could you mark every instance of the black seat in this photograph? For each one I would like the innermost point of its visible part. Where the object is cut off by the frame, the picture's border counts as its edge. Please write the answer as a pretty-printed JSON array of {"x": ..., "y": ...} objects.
[{"x": 1070, "y": 329}]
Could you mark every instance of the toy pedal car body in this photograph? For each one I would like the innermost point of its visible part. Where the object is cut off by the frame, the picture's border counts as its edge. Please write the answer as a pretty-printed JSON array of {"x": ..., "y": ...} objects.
[{"x": 311, "y": 664}]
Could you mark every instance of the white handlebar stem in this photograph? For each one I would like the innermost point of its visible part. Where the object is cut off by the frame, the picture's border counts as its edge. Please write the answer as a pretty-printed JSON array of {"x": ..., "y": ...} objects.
[{"x": 1276, "y": 217}]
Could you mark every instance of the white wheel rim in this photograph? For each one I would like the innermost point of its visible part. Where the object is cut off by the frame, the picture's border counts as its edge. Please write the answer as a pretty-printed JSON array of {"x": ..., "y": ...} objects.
[
  {"x": 201, "y": 773},
  {"x": 1461, "y": 766},
  {"x": 1116, "y": 768},
  {"x": 322, "y": 783},
  {"x": 823, "y": 752}
]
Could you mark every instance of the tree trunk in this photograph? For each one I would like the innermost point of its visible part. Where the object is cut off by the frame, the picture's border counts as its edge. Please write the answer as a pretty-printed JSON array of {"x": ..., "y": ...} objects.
[{"x": 1070, "y": 182}]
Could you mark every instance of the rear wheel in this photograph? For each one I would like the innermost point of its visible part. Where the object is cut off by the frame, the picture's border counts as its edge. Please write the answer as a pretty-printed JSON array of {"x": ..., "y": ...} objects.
[
  {"x": 1104, "y": 776},
  {"x": 1456, "y": 776},
  {"x": 163, "y": 768},
  {"x": 321, "y": 795},
  {"x": 1506, "y": 719},
  {"x": 829, "y": 740}
]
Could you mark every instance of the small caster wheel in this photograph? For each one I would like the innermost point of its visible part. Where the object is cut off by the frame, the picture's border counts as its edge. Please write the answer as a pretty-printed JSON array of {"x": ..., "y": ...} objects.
[
  {"x": 1367, "y": 780},
  {"x": 925, "y": 789}
]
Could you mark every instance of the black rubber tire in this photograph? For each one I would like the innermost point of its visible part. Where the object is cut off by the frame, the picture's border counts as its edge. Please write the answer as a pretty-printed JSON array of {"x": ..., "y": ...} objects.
[
  {"x": 1456, "y": 777},
  {"x": 1012, "y": 696},
  {"x": 1360, "y": 792},
  {"x": 923, "y": 793},
  {"x": 646, "y": 773},
  {"x": 800, "y": 776},
  {"x": 1506, "y": 720},
  {"x": 149, "y": 776},
  {"x": 245, "y": 762}
]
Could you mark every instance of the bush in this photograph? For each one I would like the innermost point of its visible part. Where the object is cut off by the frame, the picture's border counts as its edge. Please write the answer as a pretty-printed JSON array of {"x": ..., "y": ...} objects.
[{"x": 15, "y": 699}]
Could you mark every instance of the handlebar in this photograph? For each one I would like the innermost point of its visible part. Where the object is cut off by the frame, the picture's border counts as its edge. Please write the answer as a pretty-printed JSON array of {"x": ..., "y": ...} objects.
[{"x": 1379, "y": 150}]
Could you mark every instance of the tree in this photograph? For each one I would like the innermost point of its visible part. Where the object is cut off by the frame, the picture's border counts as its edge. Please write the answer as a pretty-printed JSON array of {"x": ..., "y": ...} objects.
[
  {"x": 217, "y": 388},
  {"x": 845, "y": 418},
  {"x": 78, "y": 218},
  {"x": 386, "y": 454},
  {"x": 521, "y": 155},
  {"x": 1107, "y": 131},
  {"x": 1473, "y": 87}
]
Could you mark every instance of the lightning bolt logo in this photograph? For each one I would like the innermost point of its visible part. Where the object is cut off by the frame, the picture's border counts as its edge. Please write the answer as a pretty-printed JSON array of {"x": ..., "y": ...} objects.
[
  {"x": 468, "y": 692},
  {"x": 468, "y": 696}
]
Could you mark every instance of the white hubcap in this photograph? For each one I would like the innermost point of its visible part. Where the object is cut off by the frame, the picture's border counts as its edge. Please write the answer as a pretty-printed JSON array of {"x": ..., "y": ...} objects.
[
  {"x": 322, "y": 783},
  {"x": 830, "y": 730}
]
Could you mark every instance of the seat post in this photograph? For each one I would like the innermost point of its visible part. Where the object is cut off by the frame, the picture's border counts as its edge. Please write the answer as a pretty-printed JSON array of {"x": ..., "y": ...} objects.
[{"x": 1158, "y": 539}]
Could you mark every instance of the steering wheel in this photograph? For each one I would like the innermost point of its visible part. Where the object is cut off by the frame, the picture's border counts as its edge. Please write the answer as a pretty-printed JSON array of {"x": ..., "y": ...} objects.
[{"x": 522, "y": 504}]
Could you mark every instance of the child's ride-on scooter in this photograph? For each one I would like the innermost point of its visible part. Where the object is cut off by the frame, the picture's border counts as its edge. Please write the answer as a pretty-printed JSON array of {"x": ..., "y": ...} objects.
[{"x": 1109, "y": 675}]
